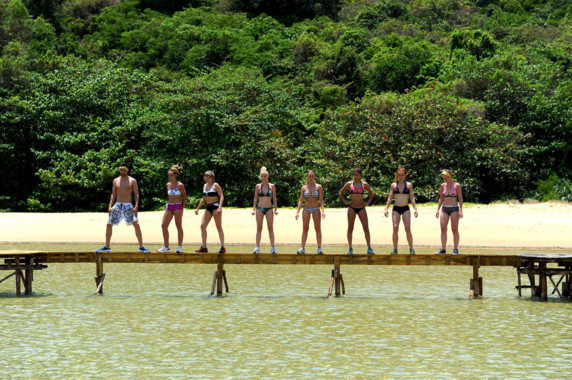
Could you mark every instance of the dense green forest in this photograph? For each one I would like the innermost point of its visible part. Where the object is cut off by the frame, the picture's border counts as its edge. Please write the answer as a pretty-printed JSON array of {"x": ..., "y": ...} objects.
[{"x": 482, "y": 87}]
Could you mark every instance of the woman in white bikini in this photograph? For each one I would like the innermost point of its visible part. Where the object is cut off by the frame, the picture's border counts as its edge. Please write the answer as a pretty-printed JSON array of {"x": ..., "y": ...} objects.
[
  {"x": 213, "y": 197},
  {"x": 312, "y": 196},
  {"x": 451, "y": 197},
  {"x": 264, "y": 202},
  {"x": 177, "y": 200}
]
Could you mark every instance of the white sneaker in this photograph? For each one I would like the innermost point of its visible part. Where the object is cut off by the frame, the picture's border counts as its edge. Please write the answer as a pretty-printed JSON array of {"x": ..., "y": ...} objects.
[
  {"x": 179, "y": 249},
  {"x": 301, "y": 251},
  {"x": 164, "y": 249},
  {"x": 256, "y": 250},
  {"x": 272, "y": 250}
]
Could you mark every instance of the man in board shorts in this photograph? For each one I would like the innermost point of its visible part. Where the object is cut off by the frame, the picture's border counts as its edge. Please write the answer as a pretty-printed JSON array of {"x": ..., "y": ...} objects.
[{"x": 124, "y": 188}]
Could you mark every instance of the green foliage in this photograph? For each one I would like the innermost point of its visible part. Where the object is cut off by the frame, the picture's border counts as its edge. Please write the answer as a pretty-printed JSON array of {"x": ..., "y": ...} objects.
[
  {"x": 423, "y": 132},
  {"x": 481, "y": 87},
  {"x": 555, "y": 189}
]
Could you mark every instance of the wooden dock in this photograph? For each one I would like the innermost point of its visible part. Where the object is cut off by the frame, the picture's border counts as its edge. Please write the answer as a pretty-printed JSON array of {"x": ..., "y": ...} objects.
[{"x": 23, "y": 263}]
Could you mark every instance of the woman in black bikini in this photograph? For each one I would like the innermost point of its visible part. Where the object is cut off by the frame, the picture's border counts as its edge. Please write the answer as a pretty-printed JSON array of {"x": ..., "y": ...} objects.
[
  {"x": 264, "y": 201},
  {"x": 313, "y": 195},
  {"x": 213, "y": 197},
  {"x": 402, "y": 192},
  {"x": 356, "y": 206},
  {"x": 451, "y": 197}
]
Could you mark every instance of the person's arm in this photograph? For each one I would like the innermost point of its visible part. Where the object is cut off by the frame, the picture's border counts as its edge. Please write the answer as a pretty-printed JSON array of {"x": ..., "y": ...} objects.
[
  {"x": 460, "y": 195},
  {"x": 300, "y": 201},
  {"x": 440, "y": 200},
  {"x": 274, "y": 199},
  {"x": 183, "y": 194},
  {"x": 412, "y": 199},
  {"x": 113, "y": 197},
  {"x": 255, "y": 200},
  {"x": 368, "y": 188},
  {"x": 136, "y": 195},
  {"x": 343, "y": 191},
  {"x": 321, "y": 200},
  {"x": 389, "y": 198},
  {"x": 220, "y": 197}
]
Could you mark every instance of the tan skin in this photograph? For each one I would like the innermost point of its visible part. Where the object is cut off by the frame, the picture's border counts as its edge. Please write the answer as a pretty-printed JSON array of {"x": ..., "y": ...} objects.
[
  {"x": 177, "y": 214},
  {"x": 265, "y": 203},
  {"x": 401, "y": 200},
  {"x": 217, "y": 214},
  {"x": 124, "y": 188},
  {"x": 447, "y": 187},
  {"x": 357, "y": 201},
  {"x": 311, "y": 202}
]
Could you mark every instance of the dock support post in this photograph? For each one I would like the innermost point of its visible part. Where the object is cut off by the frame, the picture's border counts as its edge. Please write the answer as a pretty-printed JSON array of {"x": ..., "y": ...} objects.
[
  {"x": 219, "y": 276},
  {"x": 100, "y": 276},
  {"x": 337, "y": 281},
  {"x": 476, "y": 283}
]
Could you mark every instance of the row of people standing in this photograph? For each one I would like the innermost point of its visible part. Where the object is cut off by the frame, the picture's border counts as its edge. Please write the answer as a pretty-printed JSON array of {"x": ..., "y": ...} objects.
[{"x": 265, "y": 207}]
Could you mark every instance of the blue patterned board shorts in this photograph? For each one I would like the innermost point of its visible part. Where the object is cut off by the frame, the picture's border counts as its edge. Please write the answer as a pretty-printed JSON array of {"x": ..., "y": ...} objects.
[{"x": 122, "y": 211}]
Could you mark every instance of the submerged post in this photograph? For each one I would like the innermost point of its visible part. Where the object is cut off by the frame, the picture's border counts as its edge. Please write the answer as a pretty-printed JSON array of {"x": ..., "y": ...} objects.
[
  {"x": 219, "y": 277},
  {"x": 100, "y": 276},
  {"x": 476, "y": 283}
]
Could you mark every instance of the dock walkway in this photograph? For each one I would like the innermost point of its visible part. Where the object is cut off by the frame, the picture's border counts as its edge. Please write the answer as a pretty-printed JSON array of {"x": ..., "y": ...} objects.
[{"x": 23, "y": 263}]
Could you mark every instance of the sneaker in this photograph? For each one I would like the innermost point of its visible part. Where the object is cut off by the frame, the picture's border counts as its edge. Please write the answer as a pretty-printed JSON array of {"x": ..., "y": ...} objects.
[
  {"x": 163, "y": 249},
  {"x": 411, "y": 251},
  {"x": 104, "y": 249},
  {"x": 256, "y": 250},
  {"x": 222, "y": 250},
  {"x": 320, "y": 252},
  {"x": 394, "y": 251},
  {"x": 350, "y": 251},
  {"x": 179, "y": 249},
  {"x": 273, "y": 250},
  {"x": 143, "y": 250},
  {"x": 301, "y": 251},
  {"x": 455, "y": 251},
  {"x": 202, "y": 250},
  {"x": 441, "y": 252},
  {"x": 370, "y": 251}
]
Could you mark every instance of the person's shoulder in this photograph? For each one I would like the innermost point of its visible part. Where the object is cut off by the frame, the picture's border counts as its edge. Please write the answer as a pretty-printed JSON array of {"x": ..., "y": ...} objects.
[{"x": 132, "y": 180}]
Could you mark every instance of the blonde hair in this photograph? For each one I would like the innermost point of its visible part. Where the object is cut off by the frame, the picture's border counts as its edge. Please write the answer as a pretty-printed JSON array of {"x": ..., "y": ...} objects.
[
  {"x": 447, "y": 172},
  {"x": 176, "y": 169},
  {"x": 209, "y": 173},
  {"x": 263, "y": 170}
]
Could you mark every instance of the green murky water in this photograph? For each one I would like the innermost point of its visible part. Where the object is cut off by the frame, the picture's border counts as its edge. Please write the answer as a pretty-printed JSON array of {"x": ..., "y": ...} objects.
[{"x": 158, "y": 320}]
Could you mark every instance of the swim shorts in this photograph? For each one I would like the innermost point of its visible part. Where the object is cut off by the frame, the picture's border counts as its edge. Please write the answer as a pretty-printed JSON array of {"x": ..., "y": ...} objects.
[{"x": 122, "y": 211}]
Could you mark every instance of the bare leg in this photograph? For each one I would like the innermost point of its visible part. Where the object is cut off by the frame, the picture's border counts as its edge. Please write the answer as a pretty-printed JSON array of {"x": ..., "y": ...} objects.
[
  {"x": 108, "y": 233},
  {"x": 444, "y": 220},
  {"x": 207, "y": 216},
  {"x": 455, "y": 228},
  {"x": 317, "y": 217},
  {"x": 363, "y": 218},
  {"x": 218, "y": 221},
  {"x": 167, "y": 216},
  {"x": 351, "y": 222},
  {"x": 305, "y": 227},
  {"x": 138, "y": 233},
  {"x": 396, "y": 219},
  {"x": 259, "y": 222},
  {"x": 407, "y": 224},
  {"x": 179, "y": 223},
  {"x": 270, "y": 225}
]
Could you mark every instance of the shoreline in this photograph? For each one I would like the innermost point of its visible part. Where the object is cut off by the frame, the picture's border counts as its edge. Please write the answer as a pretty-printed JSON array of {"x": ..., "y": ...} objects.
[{"x": 531, "y": 225}]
